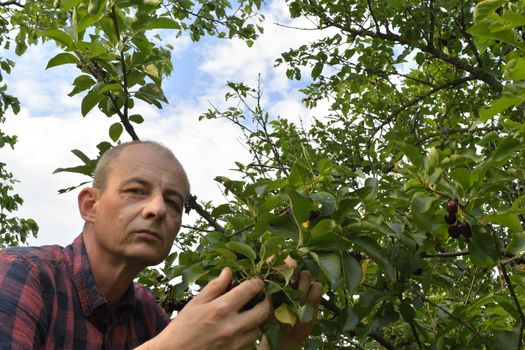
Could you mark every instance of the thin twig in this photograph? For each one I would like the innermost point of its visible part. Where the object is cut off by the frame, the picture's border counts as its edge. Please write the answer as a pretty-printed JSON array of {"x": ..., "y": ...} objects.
[
  {"x": 503, "y": 271},
  {"x": 457, "y": 319},
  {"x": 197, "y": 229},
  {"x": 445, "y": 255}
]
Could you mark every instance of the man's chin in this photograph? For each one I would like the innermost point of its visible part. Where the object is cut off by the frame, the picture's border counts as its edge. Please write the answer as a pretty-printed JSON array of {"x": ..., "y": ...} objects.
[{"x": 147, "y": 257}]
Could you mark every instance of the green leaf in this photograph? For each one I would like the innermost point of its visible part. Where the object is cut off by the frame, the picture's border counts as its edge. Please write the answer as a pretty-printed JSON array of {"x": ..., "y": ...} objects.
[
  {"x": 507, "y": 340},
  {"x": 300, "y": 206},
  {"x": 330, "y": 264},
  {"x": 317, "y": 70},
  {"x": 407, "y": 311},
  {"x": 421, "y": 202},
  {"x": 221, "y": 210},
  {"x": 298, "y": 175},
  {"x": 509, "y": 220},
  {"x": 243, "y": 249},
  {"x": 284, "y": 315},
  {"x": 485, "y": 8},
  {"x": 328, "y": 202},
  {"x": 81, "y": 83},
  {"x": 482, "y": 251},
  {"x": 82, "y": 156},
  {"x": 109, "y": 87},
  {"x": 348, "y": 319},
  {"x": 69, "y": 4},
  {"x": 505, "y": 148},
  {"x": 115, "y": 130},
  {"x": 517, "y": 243},
  {"x": 163, "y": 23},
  {"x": 305, "y": 312},
  {"x": 515, "y": 69},
  {"x": 376, "y": 253},
  {"x": 152, "y": 70},
  {"x": 272, "y": 332},
  {"x": 323, "y": 227},
  {"x": 420, "y": 207},
  {"x": 136, "y": 118},
  {"x": 412, "y": 153},
  {"x": 89, "y": 101},
  {"x": 352, "y": 273},
  {"x": 151, "y": 93},
  {"x": 462, "y": 176},
  {"x": 287, "y": 274},
  {"x": 81, "y": 169},
  {"x": 59, "y": 36},
  {"x": 193, "y": 273},
  {"x": 62, "y": 58},
  {"x": 497, "y": 106}
]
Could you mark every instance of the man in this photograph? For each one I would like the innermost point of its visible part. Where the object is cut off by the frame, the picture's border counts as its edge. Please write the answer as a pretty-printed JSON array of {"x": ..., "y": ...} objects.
[{"x": 83, "y": 296}]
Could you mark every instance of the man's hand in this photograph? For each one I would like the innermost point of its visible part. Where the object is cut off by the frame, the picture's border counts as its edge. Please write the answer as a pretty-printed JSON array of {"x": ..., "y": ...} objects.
[
  {"x": 292, "y": 338},
  {"x": 212, "y": 321}
]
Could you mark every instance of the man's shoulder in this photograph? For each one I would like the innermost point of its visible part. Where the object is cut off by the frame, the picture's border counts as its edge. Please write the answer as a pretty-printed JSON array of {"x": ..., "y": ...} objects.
[
  {"x": 143, "y": 294},
  {"x": 147, "y": 307},
  {"x": 47, "y": 255}
]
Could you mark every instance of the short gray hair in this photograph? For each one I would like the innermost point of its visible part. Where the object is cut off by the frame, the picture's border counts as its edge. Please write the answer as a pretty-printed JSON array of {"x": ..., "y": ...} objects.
[{"x": 104, "y": 163}]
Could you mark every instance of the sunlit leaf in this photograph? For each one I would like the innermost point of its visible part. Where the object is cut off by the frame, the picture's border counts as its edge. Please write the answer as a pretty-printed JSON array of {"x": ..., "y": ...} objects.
[{"x": 284, "y": 315}]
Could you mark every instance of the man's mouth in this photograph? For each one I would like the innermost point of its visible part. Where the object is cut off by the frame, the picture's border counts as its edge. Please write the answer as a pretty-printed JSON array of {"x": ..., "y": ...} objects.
[{"x": 148, "y": 233}]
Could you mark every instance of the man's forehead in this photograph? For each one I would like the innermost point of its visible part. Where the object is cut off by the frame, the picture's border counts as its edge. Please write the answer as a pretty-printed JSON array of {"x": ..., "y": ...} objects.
[{"x": 147, "y": 162}]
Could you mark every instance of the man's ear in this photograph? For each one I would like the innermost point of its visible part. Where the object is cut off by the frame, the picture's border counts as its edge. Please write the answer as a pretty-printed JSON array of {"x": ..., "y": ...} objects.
[{"x": 87, "y": 198}]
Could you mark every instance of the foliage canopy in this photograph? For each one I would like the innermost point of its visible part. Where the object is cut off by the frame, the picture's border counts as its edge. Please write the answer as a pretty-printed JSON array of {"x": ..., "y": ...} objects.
[{"x": 426, "y": 107}]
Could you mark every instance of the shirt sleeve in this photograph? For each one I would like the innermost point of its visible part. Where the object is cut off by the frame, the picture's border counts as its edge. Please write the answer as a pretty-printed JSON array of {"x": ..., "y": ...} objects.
[{"x": 22, "y": 316}]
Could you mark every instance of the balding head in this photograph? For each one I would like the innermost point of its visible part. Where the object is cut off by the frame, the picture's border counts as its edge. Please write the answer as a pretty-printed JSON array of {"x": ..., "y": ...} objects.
[{"x": 110, "y": 159}]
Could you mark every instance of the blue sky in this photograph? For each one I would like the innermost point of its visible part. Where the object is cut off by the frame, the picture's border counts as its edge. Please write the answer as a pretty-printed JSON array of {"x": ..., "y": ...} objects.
[{"x": 50, "y": 124}]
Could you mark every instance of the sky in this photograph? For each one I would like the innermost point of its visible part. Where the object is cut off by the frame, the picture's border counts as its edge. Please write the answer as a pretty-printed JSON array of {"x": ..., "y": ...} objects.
[{"x": 50, "y": 124}]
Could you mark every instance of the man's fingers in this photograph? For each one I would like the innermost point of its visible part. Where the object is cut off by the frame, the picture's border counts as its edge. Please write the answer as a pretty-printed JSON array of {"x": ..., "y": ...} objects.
[
  {"x": 255, "y": 316},
  {"x": 305, "y": 280},
  {"x": 247, "y": 339},
  {"x": 243, "y": 293},
  {"x": 315, "y": 293},
  {"x": 215, "y": 287}
]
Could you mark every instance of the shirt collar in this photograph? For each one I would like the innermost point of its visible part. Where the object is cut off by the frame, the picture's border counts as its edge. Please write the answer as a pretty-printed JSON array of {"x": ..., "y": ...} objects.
[{"x": 89, "y": 294}]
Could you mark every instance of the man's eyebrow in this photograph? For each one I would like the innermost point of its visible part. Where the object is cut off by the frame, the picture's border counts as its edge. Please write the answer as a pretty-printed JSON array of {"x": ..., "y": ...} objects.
[
  {"x": 138, "y": 180},
  {"x": 172, "y": 192}
]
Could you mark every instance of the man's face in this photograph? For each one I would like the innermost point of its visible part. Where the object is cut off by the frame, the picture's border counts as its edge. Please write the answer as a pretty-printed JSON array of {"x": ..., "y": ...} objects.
[{"x": 138, "y": 214}]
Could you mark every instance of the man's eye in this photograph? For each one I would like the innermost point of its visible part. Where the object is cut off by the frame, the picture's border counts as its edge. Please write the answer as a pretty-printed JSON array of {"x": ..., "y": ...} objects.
[
  {"x": 135, "y": 191},
  {"x": 173, "y": 204}
]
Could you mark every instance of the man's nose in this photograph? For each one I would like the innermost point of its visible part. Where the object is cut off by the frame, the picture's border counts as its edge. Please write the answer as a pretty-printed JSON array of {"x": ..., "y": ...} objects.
[{"x": 155, "y": 207}]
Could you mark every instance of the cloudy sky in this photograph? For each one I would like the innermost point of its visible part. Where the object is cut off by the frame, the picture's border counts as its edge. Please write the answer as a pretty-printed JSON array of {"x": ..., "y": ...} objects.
[{"x": 50, "y": 124}]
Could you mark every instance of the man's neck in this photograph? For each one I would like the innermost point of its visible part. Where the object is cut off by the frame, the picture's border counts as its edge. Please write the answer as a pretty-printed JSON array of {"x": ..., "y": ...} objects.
[{"x": 112, "y": 275}]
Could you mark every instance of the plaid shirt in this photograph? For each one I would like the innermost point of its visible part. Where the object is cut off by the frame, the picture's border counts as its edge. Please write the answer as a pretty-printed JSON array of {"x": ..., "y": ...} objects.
[{"x": 49, "y": 300}]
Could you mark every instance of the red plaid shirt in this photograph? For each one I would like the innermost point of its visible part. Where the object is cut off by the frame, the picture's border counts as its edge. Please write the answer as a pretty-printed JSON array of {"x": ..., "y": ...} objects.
[{"x": 49, "y": 300}]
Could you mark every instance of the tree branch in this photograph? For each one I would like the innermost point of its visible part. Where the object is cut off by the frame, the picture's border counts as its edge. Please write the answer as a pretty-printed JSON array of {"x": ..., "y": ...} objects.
[
  {"x": 191, "y": 203},
  {"x": 445, "y": 255},
  {"x": 124, "y": 118},
  {"x": 418, "y": 99},
  {"x": 476, "y": 72},
  {"x": 9, "y": 3}
]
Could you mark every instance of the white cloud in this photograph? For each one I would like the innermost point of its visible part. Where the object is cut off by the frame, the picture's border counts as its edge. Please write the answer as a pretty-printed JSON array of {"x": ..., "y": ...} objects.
[{"x": 50, "y": 124}]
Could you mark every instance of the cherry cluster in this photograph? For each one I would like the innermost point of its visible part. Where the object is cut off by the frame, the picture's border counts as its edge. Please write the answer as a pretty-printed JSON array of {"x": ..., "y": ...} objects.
[
  {"x": 456, "y": 228},
  {"x": 277, "y": 298}
]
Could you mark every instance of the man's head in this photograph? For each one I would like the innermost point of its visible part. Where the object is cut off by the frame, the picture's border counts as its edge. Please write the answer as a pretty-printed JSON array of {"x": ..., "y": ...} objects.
[{"x": 134, "y": 210}]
